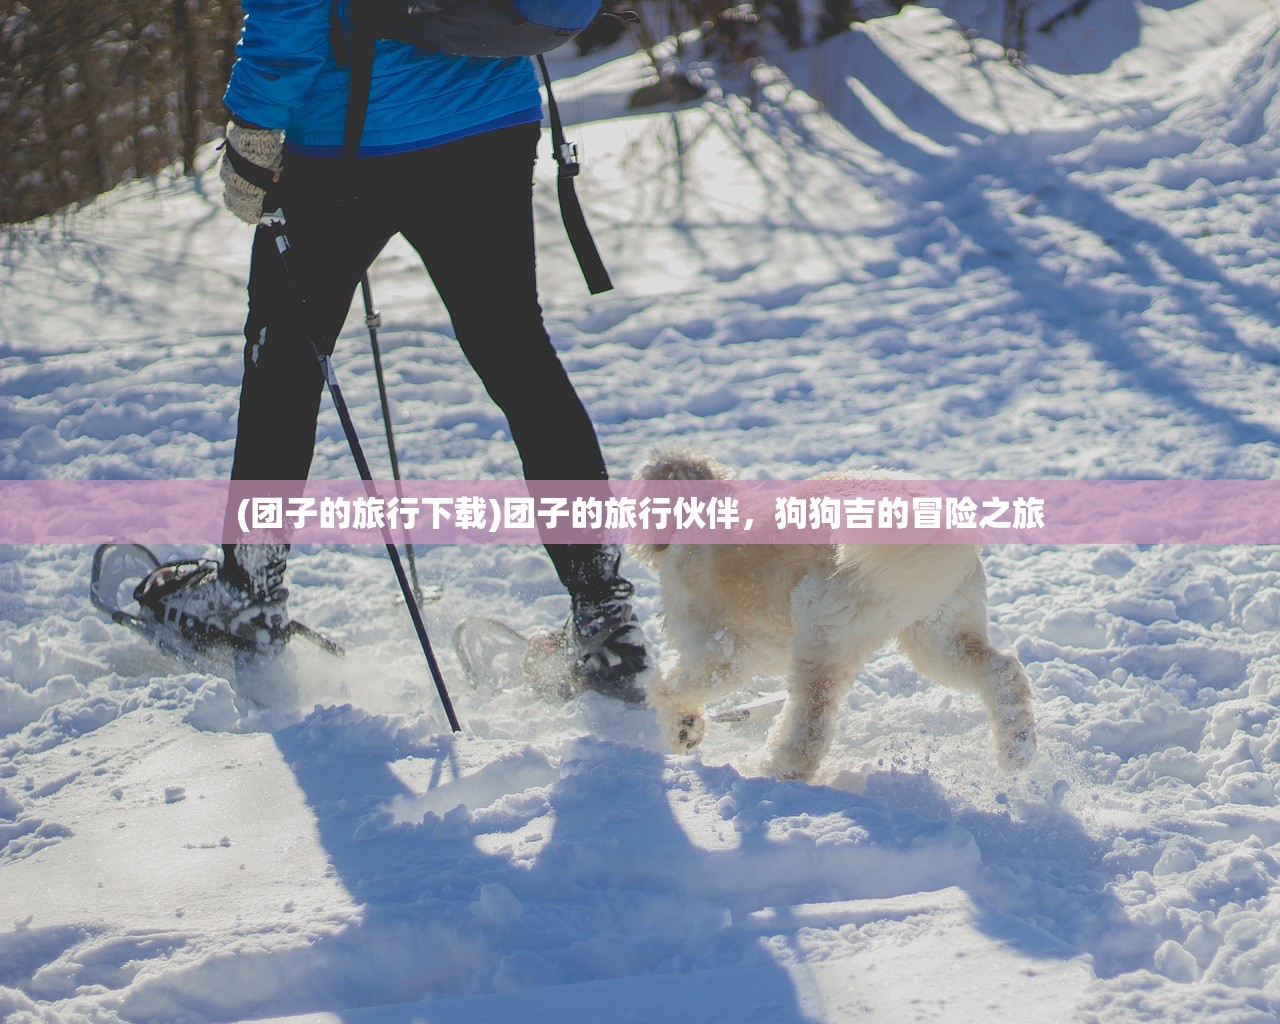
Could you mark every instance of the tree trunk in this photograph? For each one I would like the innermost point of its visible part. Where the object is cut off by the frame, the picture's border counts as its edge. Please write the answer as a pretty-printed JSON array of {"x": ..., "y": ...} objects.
[{"x": 189, "y": 114}]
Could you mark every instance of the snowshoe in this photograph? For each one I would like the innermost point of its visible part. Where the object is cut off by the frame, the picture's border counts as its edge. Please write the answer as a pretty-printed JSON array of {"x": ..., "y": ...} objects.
[
  {"x": 187, "y": 612},
  {"x": 493, "y": 653}
]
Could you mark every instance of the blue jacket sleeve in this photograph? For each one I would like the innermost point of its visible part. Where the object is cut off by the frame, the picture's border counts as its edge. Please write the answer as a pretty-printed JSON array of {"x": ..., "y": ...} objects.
[{"x": 283, "y": 47}]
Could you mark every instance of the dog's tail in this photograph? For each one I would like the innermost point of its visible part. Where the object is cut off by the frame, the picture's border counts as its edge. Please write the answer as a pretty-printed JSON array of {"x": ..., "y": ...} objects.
[{"x": 675, "y": 462}]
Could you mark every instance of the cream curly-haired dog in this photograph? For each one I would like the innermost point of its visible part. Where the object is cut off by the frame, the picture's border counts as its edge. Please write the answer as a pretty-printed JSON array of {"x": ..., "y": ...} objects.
[{"x": 819, "y": 612}]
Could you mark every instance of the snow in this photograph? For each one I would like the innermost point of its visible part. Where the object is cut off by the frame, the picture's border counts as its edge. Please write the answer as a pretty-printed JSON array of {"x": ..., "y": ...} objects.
[{"x": 895, "y": 249}]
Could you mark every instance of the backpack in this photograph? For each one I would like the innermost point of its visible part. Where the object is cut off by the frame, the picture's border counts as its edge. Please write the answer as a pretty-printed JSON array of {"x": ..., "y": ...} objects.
[
  {"x": 487, "y": 29},
  {"x": 481, "y": 28}
]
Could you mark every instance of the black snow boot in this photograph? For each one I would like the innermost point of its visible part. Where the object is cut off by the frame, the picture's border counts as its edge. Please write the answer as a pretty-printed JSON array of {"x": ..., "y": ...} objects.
[{"x": 605, "y": 636}]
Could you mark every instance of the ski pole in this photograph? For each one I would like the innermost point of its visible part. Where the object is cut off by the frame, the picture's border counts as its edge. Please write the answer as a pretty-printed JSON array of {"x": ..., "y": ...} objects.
[
  {"x": 373, "y": 320},
  {"x": 415, "y": 613},
  {"x": 275, "y": 222}
]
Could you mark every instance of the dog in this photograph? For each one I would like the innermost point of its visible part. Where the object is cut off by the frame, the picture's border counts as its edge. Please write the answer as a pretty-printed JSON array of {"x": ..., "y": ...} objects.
[{"x": 819, "y": 612}]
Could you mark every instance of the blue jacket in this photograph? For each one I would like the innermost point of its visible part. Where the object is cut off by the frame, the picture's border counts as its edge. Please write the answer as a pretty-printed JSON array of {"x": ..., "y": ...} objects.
[{"x": 285, "y": 76}]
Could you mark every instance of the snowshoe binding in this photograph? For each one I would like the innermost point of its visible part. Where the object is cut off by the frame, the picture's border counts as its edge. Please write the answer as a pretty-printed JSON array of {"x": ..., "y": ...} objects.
[
  {"x": 187, "y": 610},
  {"x": 192, "y": 599}
]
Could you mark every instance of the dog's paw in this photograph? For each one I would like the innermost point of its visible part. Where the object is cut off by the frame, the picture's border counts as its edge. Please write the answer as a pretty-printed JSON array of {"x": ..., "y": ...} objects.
[
  {"x": 785, "y": 770},
  {"x": 1015, "y": 743},
  {"x": 785, "y": 761},
  {"x": 686, "y": 731},
  {"x": 1013, "y": 722}
]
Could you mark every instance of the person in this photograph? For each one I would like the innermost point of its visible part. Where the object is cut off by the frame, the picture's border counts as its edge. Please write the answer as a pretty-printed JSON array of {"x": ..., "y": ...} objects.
[{"x": 446, "y": 160}]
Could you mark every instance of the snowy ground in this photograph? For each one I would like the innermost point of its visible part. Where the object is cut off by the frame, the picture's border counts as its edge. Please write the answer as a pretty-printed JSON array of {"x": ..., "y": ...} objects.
[{"x": 947, "y": 264}]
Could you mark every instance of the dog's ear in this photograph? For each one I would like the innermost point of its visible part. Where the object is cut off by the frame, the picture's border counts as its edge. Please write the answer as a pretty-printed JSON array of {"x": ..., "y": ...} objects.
[
  {"x": 670, "y": 463},
  {"x": 648, "y": 554},
  {"x": 681, "y": 462}
]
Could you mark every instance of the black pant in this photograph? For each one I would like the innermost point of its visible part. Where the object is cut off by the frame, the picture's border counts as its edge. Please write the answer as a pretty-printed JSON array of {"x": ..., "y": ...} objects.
[{"x": 467, "y": 208}]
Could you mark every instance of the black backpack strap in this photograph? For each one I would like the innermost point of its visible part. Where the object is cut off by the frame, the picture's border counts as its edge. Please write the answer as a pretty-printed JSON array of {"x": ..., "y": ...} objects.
[
  {"x": 361, "y": 52},
  {"x": 575, "y": 222},
  {"x": 338, "y": 36}
]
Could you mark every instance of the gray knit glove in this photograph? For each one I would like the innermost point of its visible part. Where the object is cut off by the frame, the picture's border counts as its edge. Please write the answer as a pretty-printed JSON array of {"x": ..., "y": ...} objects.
[{"x": 245, "y": 184}]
